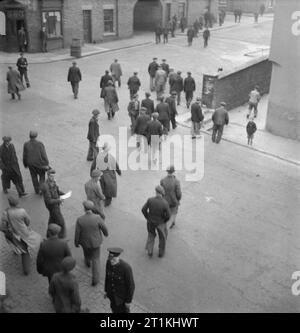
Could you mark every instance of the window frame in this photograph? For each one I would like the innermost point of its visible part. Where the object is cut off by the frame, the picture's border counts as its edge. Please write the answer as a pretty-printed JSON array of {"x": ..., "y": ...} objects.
[
  {"x": 44, "y": 24},
  {"x": 113, "y": 32}
]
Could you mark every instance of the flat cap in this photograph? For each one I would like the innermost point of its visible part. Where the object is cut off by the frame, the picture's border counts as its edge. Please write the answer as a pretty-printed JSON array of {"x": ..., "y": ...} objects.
[
  {"x": 223, "y": 103},
  {"x": 54, "y": 229},
  {"x": 6, "y": 138},
  {"x": 198, "y": 99},
  {"x": 13, "y": 200},
  {"x": 173, "y": 93},
  {"x": 143, "y": 109},
  {"x": 115, "y": 251},
  {"x": 155, "y": 115},
  {"x": 189, "y": 73},
  {"x": 95, "y": 112},
  {"x": 171, "y": 169},
  {"x": 160, "y": 189},
  {"x": 135, "y": 72},
  {"x": 33, "y": 134},
  {"x": 88, "y": 205},
  {"x": 51, "y": 172},
  {"x": 147, "y": 94},
  {"x": 96, "y": 173},
  {"x": 178, "y": 72},
  {"x": 68, "y": 263}
]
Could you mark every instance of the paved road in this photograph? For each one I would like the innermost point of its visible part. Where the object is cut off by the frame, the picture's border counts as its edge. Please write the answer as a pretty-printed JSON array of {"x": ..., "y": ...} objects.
[{"x": 235, "y": 245}]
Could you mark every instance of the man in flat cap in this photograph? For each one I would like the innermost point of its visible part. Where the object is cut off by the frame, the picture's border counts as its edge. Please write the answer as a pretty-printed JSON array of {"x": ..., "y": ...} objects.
[
  {"x": 157, "y": 213},
  {"x": 220, "y": 118},
  {"x": 178, "y": 86},
  {"x": 171, "y": 101},
  {"x": 165, "y": 66},
  {"x": 119, "y": 284},
  {"x": 88, "y": 234},
  {"x": 36, "y": 160},
  {"x": 104, "y": 82},
  {"x": 140, "y": 128},
  {"x": 152, "y": 68},
  {"x": 9, "y": 166},
  {"x": 172, "y": 80},
  {"x": 148, "y": 104},
  {"x": 189, "y": 86},
  {"x": 52, "y": 252},
  {"x": 116, "y": 72},
  {"x": 173, "y": 194},
  {"x": 163, "y": 109},
  {"x": 154, "y": 133},
  {"x": 64, "y": 288},
  {"x": 94, "y": 192},
  {"x": 160, "y": 82},
  {"x": 14, "y": 83},
  {"x": 110, "y": 100},
  {"x": 133, "y": 84},
  {"x": 93, "y": 135},
  {"x": 197, "y": 117},
  {"x": 74, "y": 77},
  {"x": 52, "y": 193},
  {"x": 133, "y": 109}
]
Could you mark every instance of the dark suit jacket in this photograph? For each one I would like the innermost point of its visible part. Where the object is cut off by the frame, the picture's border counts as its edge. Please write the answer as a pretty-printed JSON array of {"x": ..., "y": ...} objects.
[
  {"x": 93, "y": 132},
  {"x": 153, "y": 67},
  {"x": 141, "y": 124},
  {"x": 172, "y": 189},
  {"x": 163, "y": 110},
  {"x": 148, "y": 104},
  {"x": 154, "y": 127},
  {"x": 196, "y": 111},
  {"x": 220, "y": 116},
  {"x": 156, "y": 210},
  {"x": 74, "y": 74},
  {"x": 34, "y": 154},
  {"x": 189, "y": 84},
  {"x": 119, "y": 282},
  {"x": 89, "y": 229},
  {"x": 8, "y": 159},
  {"x": 172, "y": 105},
  {"x": 134, "y": 83},
  {"x": 51, "y": 253}
]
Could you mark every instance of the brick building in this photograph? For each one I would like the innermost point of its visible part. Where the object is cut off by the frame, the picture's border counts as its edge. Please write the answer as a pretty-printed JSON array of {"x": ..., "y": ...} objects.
[
  {"x": 91, "y": 21},
  {"x": 247, "y": 6}
]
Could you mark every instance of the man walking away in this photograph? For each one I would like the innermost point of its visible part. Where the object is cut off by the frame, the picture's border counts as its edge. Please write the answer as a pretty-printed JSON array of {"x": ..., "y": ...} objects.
[
  {"x": 178, "y": 86},
  {"x": 111, "y": 100},
  {"x": 190, "y": 35},
  {"x": 104, "y": 82},
  {"x": 220, "y": 118},
  {"x": 158, "y": 33},
  {"x": 134, "y": 84},
  {"x": 44, "y": 39},
  {"x": 88, "y": 234},
  {"x": 133, "y": 111},
  {"x": 94, "y": 192},
  {"x": 171, "y": 101},
  {"x": 22, "y": 65},
  {"x": 116, "y": 72},
  {"x": 196, "y": 117},
  {"x": 171, "y": 186},
  {"x": 119, "y": 284},
  {"x": 14, "y": 83},
  {"x": 189, "y": 86},
  {"x": 254, "y": 98},
  {"x": 93, "y": 135},
  {"x": 166, "y": 34},
  {"x": 141, "y": 129},
  {"x": 74, "y": 76},
  {"x": 206, "y": 36},
  {"x": 160, "y": 82},
  {"x": 157, "y": 213},
  {"x": 51, "y": 253},
  {"x": 64, "y": 289},
  {"x": 148, "y": 104},
  {"x": 35, "y": 158},
  {"x": 152, "y": 68},
  {"x": 163, "y": 109},
  {"x": 154, "y": 133}
]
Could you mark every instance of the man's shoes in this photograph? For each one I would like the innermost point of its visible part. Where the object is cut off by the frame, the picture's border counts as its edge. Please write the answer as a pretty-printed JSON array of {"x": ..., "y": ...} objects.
[
  {"x": 172, "y": 225},
  {"x": 150, "y": 254},
  {"x": 24, "y": 194},
  {"x": 28, "y": 85},
  {"x": 160, "y": 255},
  {"x": 193, "y": 137},
  {"x": 94, "y": 283}
]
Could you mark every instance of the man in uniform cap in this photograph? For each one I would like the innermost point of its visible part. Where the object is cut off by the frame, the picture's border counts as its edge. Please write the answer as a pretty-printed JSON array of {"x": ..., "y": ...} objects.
[
  {"x": 165, "y": 66},
  {"x": 88, "y": 234},
  {"x": 51, "y": 253},
  {"x": 64, "y": 288},
  {"x": 35, "y": 158},
  {"x": 148, "y": 104},
  {"x": 152, "y": 68},
  {"x": 189, "y": 86},
  {"x": 94, "y": 192},
  {"x": 9, "y": 166},
  {"x": 22, "y": 65},
  {"x": 220, "y": 118},
  {"x": 171, "y": 186},
  {"x": 157, "y": 213},
  {"x": 52, "y": 193},
  {"x": 133, "y": 84},
  {"x": 74, "y": 76},
  {"x": 197, "y": 117},
  {"x": 119, "y": 283},
  {"x": 93, "y": 135}
]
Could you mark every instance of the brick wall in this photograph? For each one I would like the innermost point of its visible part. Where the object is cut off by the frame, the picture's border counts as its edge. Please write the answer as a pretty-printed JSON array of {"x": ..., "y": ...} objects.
[
  {"x": 34, "y": 26},
  {"x": 126, "y": 9},
  {"x": 234, "y": 87}
]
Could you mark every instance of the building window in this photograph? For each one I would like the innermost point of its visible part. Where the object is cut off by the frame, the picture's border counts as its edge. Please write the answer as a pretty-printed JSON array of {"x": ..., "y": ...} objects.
[
  {"x": 52, "y": 22},
  {"x": 108, "y": 20},
  {"x": 222, "y": 3},
  {"x": 181, "y": 10}
]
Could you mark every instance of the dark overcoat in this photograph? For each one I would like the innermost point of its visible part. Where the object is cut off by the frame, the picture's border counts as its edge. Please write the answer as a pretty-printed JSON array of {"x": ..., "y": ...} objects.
[
  {"x": 74, "y": 74},
  {"x": 93, "y": 132},
  {"x": 34, "y": 154},
  {"x": 14, "y": 82},
  {"x": 196, "y": 111}
]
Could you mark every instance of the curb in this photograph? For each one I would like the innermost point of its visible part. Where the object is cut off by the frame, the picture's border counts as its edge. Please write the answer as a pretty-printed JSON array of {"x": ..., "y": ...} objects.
[
  {"x": 248, "y": 147},
  {"x": 68, "y": 57}
]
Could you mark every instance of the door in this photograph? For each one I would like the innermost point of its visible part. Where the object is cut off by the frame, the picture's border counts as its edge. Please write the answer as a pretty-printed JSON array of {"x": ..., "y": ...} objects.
[
  {"x": 87, "y": 26},
  {"x": 168, "y": 12}
]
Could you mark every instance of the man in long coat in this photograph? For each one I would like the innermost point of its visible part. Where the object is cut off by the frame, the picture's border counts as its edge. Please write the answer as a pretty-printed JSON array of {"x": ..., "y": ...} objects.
[
  {"x": 148, "y": 104},
  {"x": 189, "y": 86},
  {"x": 9, "y": 166},
  {"x": 178, "y": 86},
  {"x": 171, "y": 101},
  {"x": 64, "y": 289},
  {"x": 116, "y": 72},
  {"x": 196, "y": 117},
  {"x": 93, "y": 135},
  {"x": 152, "y": 68},
  {"x": 88, "y": 234},
  {"x": 94, "y": 193},
  {"x": 157, "y": 213},
  {"x": 35, "y": 158},
  {"x": 104, "y": 82},
  {"x": 173, "y": 194},
  {"x": 52, "y": 252},
  {"x": 110, "y": 100},
  {"x": 14, "y": 83},
  {"x": 52, "y": 193},
  {"x": 163, "y": 110},
  {"x": 74, "y": 76},
  {"x": 134, "y": 84},
  {"x": 106, "y": 163},
  {"x": 119, "y": 284},
  {"x": 160, "y": 82},
  {"x": 220, "y": 118}
]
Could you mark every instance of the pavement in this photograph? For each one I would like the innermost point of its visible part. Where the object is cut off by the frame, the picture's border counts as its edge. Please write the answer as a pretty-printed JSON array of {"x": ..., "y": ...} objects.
[{"x": 235, "y": 244}]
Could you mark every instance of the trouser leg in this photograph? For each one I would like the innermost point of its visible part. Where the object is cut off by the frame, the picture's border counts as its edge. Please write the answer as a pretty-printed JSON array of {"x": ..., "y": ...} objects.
[
  {"x": 26, "y": 78},
  {"x": 26, "y": 263},
  {"x": 214, "y": 133},
  {"x": 173, "y": 121},
  {"x": 108, "y": 201},
  {"x": 92, "y": 151},
  {"x": 162, "y": 234},
  {"x": 151, "y": 238},
  {"x": 57, "y": 218},
  {"x": 219, "y": 133},
  {"x": 95, "y": 265},
  {"x": 34, "y": 178},
  {"x": 13, "y": 96}
]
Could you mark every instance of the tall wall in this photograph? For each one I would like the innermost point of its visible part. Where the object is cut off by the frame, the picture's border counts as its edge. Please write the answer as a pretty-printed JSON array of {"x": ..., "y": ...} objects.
[
  {"x": 196, "y": 8},
  {"x": 147, "y": 14},
  {"x": 283, "y": 117}
]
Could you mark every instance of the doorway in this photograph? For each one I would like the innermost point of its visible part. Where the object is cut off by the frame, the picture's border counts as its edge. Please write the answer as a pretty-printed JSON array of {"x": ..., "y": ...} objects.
[
  {"x": 87, "y": 26},
  {"x": 147, "y": 15}
]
